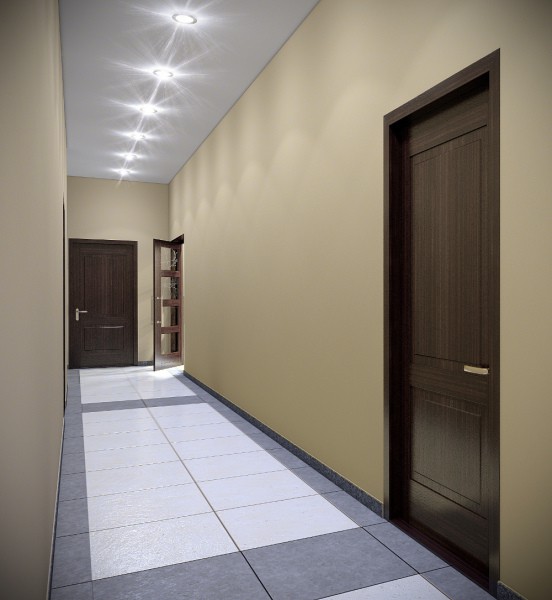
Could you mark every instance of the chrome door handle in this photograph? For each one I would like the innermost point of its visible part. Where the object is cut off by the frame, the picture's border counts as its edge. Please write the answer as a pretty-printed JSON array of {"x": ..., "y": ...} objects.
[
  {"x": 78, "y": 312},
  {"x": 476, "y": 370}
]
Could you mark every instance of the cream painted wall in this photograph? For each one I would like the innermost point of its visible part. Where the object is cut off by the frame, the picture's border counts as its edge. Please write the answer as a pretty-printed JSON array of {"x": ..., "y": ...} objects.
[
  {"x": 122, "y": 210},
  {"x": 282, "y": 210},
  {"x": 32, "y": 184}
]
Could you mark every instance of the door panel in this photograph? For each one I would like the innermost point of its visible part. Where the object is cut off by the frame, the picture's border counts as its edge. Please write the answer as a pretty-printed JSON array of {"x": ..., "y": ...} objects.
[
  {"x": 102, "y": 281},
  {"x": 442, "y": 316},
  {"x": 167, "y": 282}
]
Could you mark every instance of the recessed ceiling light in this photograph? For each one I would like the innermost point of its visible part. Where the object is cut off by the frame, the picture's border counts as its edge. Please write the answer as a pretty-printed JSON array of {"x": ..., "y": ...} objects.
[
  {"x": 137, "y": 136},
  {"x": 123, "y": 172},
  {"x": 147, "y": 109},
  {"x": 184, "y": 19},
  {"x": 130, "y": 156},
  {"x": 163, "y": 73}
]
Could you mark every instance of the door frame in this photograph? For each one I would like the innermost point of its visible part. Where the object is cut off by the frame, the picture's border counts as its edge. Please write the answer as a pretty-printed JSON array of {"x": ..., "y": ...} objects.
[
  {"x": 134, "y": 246},
  {"x": 396, "y": 241}
]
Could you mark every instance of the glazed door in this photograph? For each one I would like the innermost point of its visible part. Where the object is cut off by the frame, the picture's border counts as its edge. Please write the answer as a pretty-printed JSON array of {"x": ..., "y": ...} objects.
[{"x": 167, "y": 285}]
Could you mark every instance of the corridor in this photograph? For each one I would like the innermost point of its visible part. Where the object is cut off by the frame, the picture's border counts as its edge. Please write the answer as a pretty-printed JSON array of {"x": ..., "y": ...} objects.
[{"x": 166, "y": 493}]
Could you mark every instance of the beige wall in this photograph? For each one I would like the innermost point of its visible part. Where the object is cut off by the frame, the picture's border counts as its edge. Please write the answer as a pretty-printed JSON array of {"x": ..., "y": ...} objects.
[
  {"x": 32, "y": 187},
  {"x": 105, "y": 209},
  {"x": 282, "y": 209}
]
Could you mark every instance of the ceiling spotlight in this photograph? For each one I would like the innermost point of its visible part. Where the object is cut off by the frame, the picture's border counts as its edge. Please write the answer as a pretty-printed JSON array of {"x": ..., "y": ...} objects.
[
  {"x": 123, "y": 172},
  {"x": 163, "y": 73},
  {"x": 130, "y": 156},
  {"x": 184, "y": 19},
  {"x": 137, "y": 136},
  {"x": 147, "y": 109}
]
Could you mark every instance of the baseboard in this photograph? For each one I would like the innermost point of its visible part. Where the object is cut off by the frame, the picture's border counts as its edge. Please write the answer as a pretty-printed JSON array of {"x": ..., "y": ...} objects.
[
  {"x": 144, "y": 363},
  {"x": 503, "y": 592},
  {"x": 359, "y": 494}
]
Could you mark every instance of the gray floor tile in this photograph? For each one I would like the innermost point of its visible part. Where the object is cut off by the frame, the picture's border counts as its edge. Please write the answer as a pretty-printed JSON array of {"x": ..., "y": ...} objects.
[
  {"x": 72, "y": 560},
  {"x": 72, "y": 486},
  {"x": 73, "y": 463},
  {"x": 72, "y": 409},
  {"x": 325, "y": 565},
  {"x": 226, "y": 577},
  {"x": 73, "y": 426},
  {"x": 264, "y": 440},
  {"x": 81, "y": 591},
  {"x": 406, "y": 548},
  {"x": 244, "y": 426},
  {"x": 172, "y": 401},
  {"x": 119, "y": 405},
  {"x": 72, "y": 517},
  {"x": 287, "y": 458},
  {"x": 354, "y": 509},
  {"x": 455, "y": 585},
  {"x": 316, "y": 480},
  {"x": 73, "y": 445}
]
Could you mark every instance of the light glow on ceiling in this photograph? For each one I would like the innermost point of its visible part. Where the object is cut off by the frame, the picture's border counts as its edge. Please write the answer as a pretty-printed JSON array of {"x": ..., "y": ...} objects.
[
  {"x": 136, "y": 135},
  {"x": 123, "y": 172},
  {"x": 147, "y": 109},
  {"x": 130, "y": 156},
  {"x": 163, "y": 73},
  {"x": 184, "y": 19}
]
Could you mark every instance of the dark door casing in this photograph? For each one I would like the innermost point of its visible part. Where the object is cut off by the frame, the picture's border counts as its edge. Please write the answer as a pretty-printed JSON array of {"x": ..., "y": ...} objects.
[
  {"x": 102, "y": 303},
  {"x": 442, "y": 298}
]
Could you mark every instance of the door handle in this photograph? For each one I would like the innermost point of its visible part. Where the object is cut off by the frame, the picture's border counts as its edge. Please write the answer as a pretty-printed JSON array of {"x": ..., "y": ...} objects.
[
  {"x": 79, "y": 312},
  {"x": 476, "y": 370}
]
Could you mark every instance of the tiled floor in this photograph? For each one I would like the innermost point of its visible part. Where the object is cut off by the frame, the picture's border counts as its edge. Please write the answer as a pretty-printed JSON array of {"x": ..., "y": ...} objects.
[{"x": 168, "y": 494}]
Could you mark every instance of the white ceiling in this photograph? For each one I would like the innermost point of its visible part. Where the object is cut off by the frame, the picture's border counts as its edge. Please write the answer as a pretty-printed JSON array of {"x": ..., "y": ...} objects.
[{"x": 109, "y": 49}]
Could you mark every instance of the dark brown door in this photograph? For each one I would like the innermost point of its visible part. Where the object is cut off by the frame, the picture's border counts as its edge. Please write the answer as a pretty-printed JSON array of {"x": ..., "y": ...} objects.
[
  {"x": 167, "y": 285},
  {"x": 447, "y": 332},
  {"x": 102, "y": 303}
]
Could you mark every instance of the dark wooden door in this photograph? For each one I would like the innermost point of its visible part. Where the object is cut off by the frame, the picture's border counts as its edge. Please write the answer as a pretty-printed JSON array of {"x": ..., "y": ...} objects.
[
  {"x": 102, "y": 303},
  {"x": 447, "y": 334},
  {"x": 167, "y": 285}
]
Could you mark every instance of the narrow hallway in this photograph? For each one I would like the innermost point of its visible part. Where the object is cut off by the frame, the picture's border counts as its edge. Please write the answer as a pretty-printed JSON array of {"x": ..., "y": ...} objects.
[{"x": 167, "y": 493}]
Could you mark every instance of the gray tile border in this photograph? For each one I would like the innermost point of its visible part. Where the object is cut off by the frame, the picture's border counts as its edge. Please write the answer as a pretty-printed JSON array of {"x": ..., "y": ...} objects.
[
  {"x": 325, "y": 565},
  {"x": 314, "y": 479},
  {"x": 73, "y": 425},
  {"x": 80, "y": 591},
  {"x": 71, "y": 560},
  {"x": 456, "y": 586},
  {"x": 72, "y": 486},
  {"x": 227, "y": 577},
  {"x": 354, "y": 509},
  {"x": 505, "y": 593},
  {"x": 264, "y": 441},
  {"x": 177, "y": 401},
  {"x": 73, "y": 445},
  {"x": 288, "y": 459},
  {"x": 405, "y": 547},
  {"x": 244, "y": 426},
  {"x": 119, "y": 405},
  {"x": 72, "y": 517},
  {"x": 353, "y": 490},
  {"x": 73, "y": 463}
]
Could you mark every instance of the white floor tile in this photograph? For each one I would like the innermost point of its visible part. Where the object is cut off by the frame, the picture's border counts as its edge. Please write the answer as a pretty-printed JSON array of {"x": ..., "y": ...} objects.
[
  {"x": 123, "y": 426},
  {"x": 144, "y": 506},
  {"x": 277, "y": 522},
  {"x": 130, "y": 439},
  {"x": 202, "y": 432},
  {"x": 208, "y": 418},
  {"x": 152, "y": 385},
  {"x": 131, "y": 479},
  {"x": 129, "y": 457},
  {"x": 88, "y": 399},
  {"x": 105, "y": 416},
  {"x": 152, "y": 545},
  {"x": 216, "y": 447},
  {"x": 169, "y": 393},
  {"x": 183, "y": 410},
  {"x": 409, "y": 588},
  {"x": 254, "y": 489},
  {"x": 233, "y": 465}
]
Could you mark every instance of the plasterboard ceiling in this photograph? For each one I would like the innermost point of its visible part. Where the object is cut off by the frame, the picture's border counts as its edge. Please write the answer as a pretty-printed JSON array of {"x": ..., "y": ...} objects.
[{"x": 110, "y": 49}]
